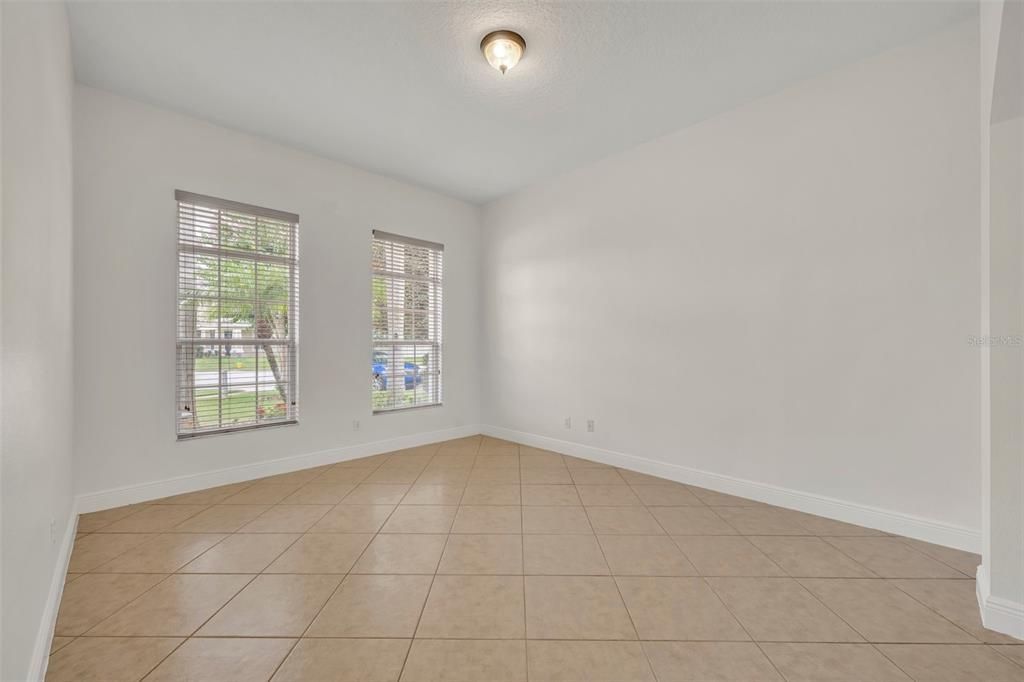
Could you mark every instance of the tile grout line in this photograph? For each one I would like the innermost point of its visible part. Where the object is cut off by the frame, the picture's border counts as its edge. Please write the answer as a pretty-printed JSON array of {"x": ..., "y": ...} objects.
[
  {"x": 889, "y": 658},
  {"x": 873, "y": 645},
  {"x": 168, "y": 576},
  {"x": 430, "y": 588},
  {"x": 340, "y": 582},
  {"x": 142, "y": 505},
  {"x": 891, "y": 582},
  {"x": 222, "y": 606},
  {"x": 522, "y": 563},
  {"x": 239, "y": 530},
  {"x": 996, "y": 648},
  {"x": 845, "y": 554},
  {"x": 739, "y": 622},
  {"x": 907, "y": 543},
  {"x": 186, "y": 638},
  {"x": 625, "y": 608}
]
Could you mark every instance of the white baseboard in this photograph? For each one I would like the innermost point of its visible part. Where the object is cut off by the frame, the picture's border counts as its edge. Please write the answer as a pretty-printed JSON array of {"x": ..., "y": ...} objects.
[
  {"x": 997, "y": 613},
  {"x": 929, "y": 530},
  {"x": 144, "y": 492},
  {"x": 886, "y": 520},
  {"x": 44, "y": 636}
]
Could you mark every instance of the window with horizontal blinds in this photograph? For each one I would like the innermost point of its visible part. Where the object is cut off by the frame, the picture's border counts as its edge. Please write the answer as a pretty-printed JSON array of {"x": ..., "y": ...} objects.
[
  {"x": 406, "y": 322},
  {"x": 237, "y": 316}
]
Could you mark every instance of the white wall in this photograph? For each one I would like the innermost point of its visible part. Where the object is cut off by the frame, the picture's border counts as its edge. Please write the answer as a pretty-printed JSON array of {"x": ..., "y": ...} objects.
[
  {"x": 990, "y": 15},
  {"x": 1005, "y": 561},
  {"x": 37, "y": 322},
  {"x": 783, "y": 293},
  {"x": 129, "y": 159},
  {"x": 1001, "y": 578}
]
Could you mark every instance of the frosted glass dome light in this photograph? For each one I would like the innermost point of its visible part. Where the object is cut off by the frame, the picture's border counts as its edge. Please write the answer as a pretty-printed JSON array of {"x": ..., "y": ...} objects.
[{"x": 503, "y": 49}]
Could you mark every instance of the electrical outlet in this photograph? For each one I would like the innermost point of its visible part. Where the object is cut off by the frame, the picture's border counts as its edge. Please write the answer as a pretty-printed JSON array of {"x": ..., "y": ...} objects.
[
  {"x": 568, "y": 422},
  {"x": 355, "y": 424},
  {"x": 590, "y": 425},
  {"x": 53, "y": 532}
]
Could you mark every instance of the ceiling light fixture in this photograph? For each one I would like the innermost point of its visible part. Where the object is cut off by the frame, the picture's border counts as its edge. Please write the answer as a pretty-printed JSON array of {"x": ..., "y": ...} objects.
[{"x": 503, "y": 49}]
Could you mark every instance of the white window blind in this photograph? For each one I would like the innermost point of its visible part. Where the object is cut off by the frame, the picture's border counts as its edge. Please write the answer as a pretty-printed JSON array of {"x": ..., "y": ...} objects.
[
  {"x": 238, "y": 315},
  {"x": 406, "y": 322}
]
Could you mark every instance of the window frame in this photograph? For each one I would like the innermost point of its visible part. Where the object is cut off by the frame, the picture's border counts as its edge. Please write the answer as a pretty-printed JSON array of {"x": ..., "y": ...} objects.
[
  {"x": 436, "y": 310},
  {"x": 289, "y": 342}
]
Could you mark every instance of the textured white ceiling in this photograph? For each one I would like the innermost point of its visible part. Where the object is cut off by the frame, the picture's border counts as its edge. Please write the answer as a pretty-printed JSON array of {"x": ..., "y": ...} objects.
[{"x": 402, "y": 89}]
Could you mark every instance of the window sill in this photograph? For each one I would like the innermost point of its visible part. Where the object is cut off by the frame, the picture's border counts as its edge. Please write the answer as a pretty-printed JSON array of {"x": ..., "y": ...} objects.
[
  {"x": 406, "y": 409},
  {"x": 236, "y": 429}
]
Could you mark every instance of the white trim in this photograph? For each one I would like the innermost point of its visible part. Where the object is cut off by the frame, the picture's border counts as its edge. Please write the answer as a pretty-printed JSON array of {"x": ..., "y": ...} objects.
[
  {"x": 929, "y": 530},
  {"x": 117, "y": 497},
  {"x": 44, "y": 636},
  {"x": 997, "y": 613}
]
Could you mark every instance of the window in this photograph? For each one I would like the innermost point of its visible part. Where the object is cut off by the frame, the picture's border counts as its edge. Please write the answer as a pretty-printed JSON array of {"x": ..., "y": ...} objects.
[
  {"x": 237, "y": 338},
  {"x": 406, "y": 322}
]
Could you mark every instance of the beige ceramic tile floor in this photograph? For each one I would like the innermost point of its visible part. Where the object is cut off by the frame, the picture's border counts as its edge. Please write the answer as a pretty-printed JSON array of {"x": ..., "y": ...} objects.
[{"x": 482, "y": 560}]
